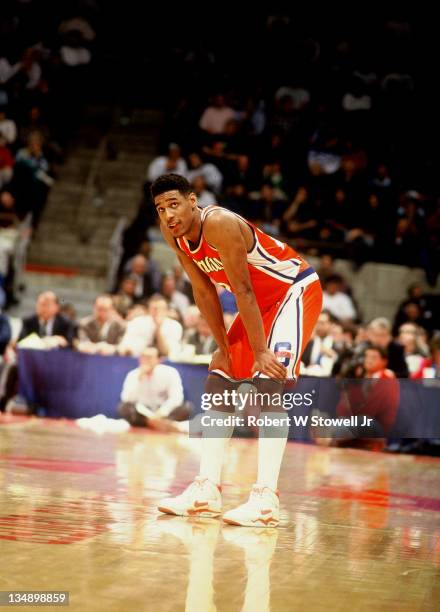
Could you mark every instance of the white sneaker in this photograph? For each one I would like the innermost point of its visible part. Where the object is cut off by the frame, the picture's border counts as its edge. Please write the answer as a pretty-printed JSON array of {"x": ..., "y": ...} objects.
[
  {"x": 201, "y": 498},
  {"x": 261, "y": 510}
]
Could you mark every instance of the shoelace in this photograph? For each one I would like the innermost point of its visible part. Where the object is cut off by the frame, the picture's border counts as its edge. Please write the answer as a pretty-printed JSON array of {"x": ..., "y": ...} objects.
[
  {"x": 257, "y": 491},
  {"x": 197, "y": 484}
]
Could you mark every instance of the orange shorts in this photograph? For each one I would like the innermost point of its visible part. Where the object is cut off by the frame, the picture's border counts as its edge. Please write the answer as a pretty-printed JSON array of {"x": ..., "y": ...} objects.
[{"x": 288, "y": 326}]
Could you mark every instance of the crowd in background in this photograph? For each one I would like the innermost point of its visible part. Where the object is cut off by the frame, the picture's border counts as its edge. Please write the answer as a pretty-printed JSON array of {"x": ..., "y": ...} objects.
[
  {"x": 156, "y": 312},
  {"x": 325, "y": 144},
  {"x": 44, "y": 67},
  {"x": 314, "y": 136}
]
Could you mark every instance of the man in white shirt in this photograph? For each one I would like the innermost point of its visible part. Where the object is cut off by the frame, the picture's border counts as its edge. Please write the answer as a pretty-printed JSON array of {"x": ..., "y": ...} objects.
[
  {"x": 212, "y": 175},
  {"x": 173, "y": 162},
  {"x": 154, "y": 329},
  {"x": 152, "y": 395},
  {"x": 215, "y": 117},
  {"x": 319, "y": 356},
  {"x": 338, "y": 303}
]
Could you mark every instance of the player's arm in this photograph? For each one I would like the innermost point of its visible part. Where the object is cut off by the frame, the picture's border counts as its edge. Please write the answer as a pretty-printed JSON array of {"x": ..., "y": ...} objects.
[
  {"x": 223, "y": 231},
  {"x": 205, "y": 294}
]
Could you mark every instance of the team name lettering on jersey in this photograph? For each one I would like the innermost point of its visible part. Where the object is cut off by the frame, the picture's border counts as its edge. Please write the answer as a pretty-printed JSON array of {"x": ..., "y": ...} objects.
[{"x": 210, "y": 264}]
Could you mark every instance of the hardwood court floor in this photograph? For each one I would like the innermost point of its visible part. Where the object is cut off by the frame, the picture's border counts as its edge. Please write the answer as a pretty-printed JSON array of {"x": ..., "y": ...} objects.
[{"x": 360, "y": 530}]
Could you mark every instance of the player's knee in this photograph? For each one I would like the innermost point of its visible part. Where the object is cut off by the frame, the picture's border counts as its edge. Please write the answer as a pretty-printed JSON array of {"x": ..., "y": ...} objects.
[
  {"x": 269, "y": 394},
  {"x": 219, "y": 394}
]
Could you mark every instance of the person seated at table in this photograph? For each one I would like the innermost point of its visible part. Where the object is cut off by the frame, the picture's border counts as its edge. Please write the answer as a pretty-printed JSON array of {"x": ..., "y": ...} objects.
[
  {"x": 53, "y": 328},
  {"x": 156, "y": 328},
  {"x": 201, "y": 338},
  {"x": 152, "y": 395},
  {"x": 101, "y": 332}
]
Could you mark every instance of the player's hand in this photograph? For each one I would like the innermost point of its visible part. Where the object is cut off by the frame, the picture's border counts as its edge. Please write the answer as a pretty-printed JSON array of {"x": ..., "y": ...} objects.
[
  {"x": 267, "y": 363},
  {"x": 221, "y": 360},
  {"x": 158, "y": 318}
]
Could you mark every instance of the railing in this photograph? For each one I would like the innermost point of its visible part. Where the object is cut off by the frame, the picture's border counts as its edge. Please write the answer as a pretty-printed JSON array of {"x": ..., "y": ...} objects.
[
  {"x": 115, "y": 252},
  {"x": 21, "y": 250},
  {"x": 83, "y": 224}
]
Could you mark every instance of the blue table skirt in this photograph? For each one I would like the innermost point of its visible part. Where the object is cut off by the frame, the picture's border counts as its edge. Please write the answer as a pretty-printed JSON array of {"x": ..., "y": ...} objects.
[
  {"x": 68, "y": 384},
  {"x": 64, "y": 383}
]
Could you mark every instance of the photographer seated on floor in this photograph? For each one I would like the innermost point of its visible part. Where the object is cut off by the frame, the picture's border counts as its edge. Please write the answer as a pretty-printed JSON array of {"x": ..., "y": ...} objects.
[{"x": 152, "y": 396}]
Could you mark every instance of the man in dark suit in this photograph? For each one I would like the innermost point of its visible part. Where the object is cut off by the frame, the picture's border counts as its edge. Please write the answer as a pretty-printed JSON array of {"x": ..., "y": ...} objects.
[
  {"x": 53, "y": 328},
  {"x": 379, "y": 334}
]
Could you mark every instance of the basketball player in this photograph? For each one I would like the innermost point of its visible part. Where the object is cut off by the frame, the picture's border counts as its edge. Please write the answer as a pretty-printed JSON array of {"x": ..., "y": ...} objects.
[{"x": 279, "y": 299}]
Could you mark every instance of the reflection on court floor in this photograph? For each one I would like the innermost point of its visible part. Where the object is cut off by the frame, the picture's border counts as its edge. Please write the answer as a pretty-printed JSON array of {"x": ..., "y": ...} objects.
[{"x": 359, "y": 530}]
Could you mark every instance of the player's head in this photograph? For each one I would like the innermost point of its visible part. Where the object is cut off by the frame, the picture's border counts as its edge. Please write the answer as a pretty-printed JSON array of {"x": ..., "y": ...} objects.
[
  {"x": 149, "y": 359},
  {"x": 175, "y": 203}
]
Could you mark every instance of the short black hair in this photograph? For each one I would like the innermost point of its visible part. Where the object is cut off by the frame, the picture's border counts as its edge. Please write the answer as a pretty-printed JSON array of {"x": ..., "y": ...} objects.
[
  {"x": 383, "y": 352},
  {"x": 170, "y": 182}
]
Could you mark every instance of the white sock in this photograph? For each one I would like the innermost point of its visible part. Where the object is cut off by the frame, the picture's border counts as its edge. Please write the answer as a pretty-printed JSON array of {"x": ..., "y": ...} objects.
[
  {"x": 213, "y": 449},
  {"x": 271, "y": 445}
]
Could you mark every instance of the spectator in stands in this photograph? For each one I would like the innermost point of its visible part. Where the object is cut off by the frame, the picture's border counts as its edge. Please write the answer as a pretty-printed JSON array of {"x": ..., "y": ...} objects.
[
  {"x": 8, "y": 211},
  {"x": 236, "y": 199},
  {"x": 411, "y": 313},
  {"x": 273, "y": 176},
  {"x": 267, "y": 210},
  {"x": 68, "y": 311},
  {"x": 8, "y": 127},
  {"x": 338, "y": 303},
  {"x": 325, "y": 267},
  {"x": 407, "y": 337},
  {"x": 74, "y": 52},
  {"x": 379, "y": 334},
  {"x": 215, "y": 117},
  {"x": 145, "y": 275},
  {"x": 182, "y": 282},
  {"x": 339, "y": 215},
  {"x": 409, "y": 234},
  {"x": 6, "y": 162},
  {"x": 176, "y": 299},
  {"x": 149, "y": 267},
  {"x": 230, "y": 153},
  {"x": 378, "y": 397},
  {"x": 190, "y": 321},
  {"x": 54, "y": 329},
  {"x": 356, "y": 99},
  {"x": 152, "y": 395},
  {"x": 209, "y": 172},
  {"x": 319, "y": 356},
  {"x": 298, "y": 94},
  {"x": 202, "y": 339},
  {"x": 301, "y": 218},
  {"x": 125, "y": 297},
  {"x": 31, "y": 176},
  {"x": 154, "y": 329},
  {"x": 102, "y": 331},
  {"x": 204, "y": 196},
  {"x": 173, "y": 162},
  {"x": 285, "y": 117},
  {"x": 381, "y": 181},
  {"x": 419, "y": 308},
  {"x": 430, "y": 366}
]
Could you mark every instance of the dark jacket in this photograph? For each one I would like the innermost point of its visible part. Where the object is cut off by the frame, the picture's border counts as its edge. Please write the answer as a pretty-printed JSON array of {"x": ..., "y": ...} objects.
[
  {"x": 5, "y": 333},
  {"x": 61, "y": 327},
  {"x": 89, "y": 329}
]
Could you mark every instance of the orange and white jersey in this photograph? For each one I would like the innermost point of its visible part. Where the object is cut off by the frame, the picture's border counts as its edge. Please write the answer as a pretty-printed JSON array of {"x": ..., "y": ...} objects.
[{"x": 273, "y": 265}]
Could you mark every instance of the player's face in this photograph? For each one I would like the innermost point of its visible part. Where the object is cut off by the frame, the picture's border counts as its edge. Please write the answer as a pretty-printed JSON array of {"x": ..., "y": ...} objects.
[{"x": 176, "y": 211}]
